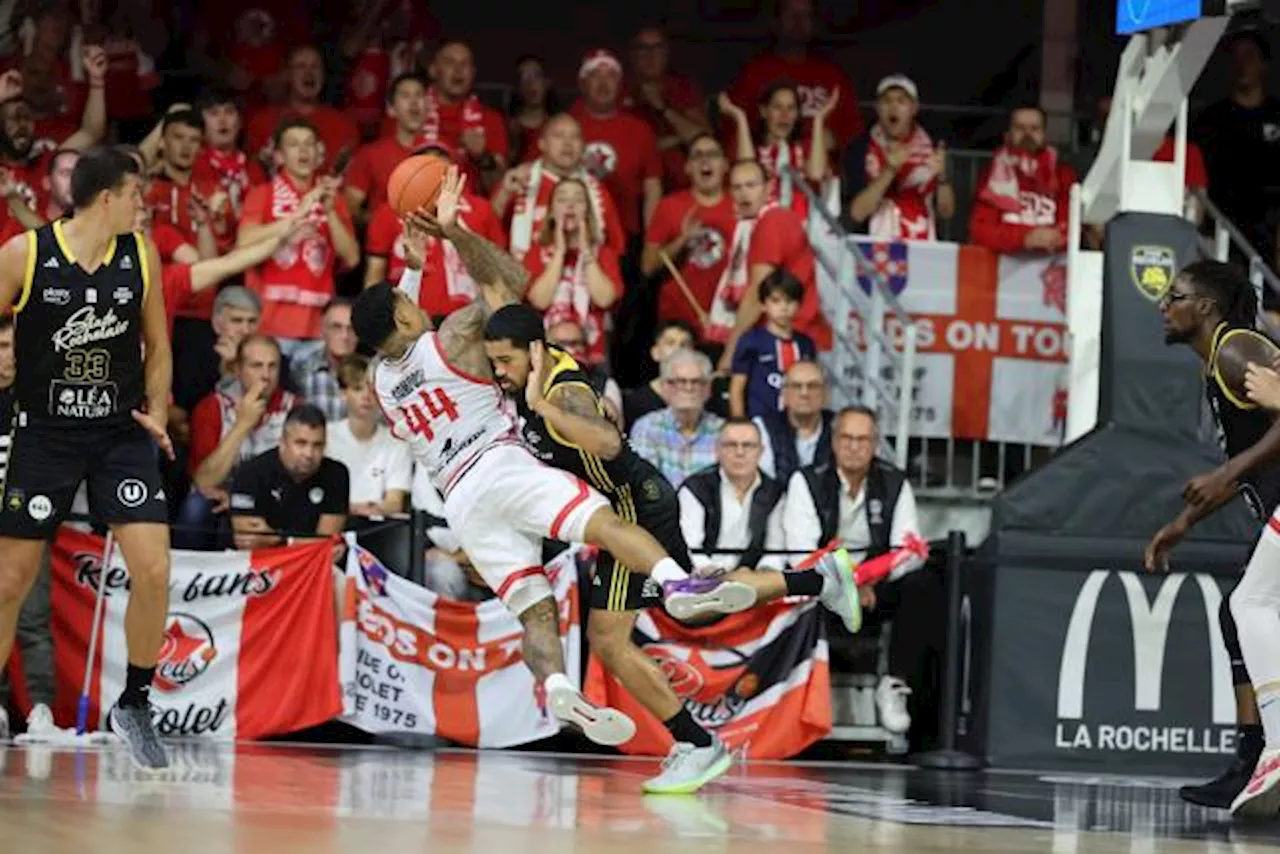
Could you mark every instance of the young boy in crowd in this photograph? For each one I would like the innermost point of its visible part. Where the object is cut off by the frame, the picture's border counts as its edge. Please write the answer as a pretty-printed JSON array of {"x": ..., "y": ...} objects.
[{"x": 766, "y": 352}]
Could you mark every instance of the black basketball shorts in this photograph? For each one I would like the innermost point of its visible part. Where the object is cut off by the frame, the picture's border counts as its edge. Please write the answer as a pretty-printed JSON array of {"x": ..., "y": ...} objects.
[
  {"x": 47, "y": 465},
  {"x": 652, "y": 505}
]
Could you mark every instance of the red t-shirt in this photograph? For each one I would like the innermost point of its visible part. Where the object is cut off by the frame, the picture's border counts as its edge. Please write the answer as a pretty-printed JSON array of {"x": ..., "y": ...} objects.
[
  {"x": 297, "y": 281},
  {"x": 384, "y": 239},
  {"x": 779, "y": 240},
  {"x": 593, "y": 330},
  {"x": 372, "y": 166},
  {"x": 525, "y": 142},
  {"x": 206, "y": 424},
  {"x": 365, "y": 97},
  {"x": 705, "y": 257},
  {"x": 815, "y": 78},
  {"x": 171, "y": 204},
  {"x": 175, "y": 281},
  {"x": 622, "y": 152},
  {"x": 336, "y": 130},
  {"x": 681, "y": 94},
  {"x": 131, "y": 78},
  {"x": 450, "y": 134},
  {"x": 1005, "y": 231},
  {"x": 167, "y": 239},
  {"x": 1197, "y": 177},
  {"x": 31, "y": 181}
]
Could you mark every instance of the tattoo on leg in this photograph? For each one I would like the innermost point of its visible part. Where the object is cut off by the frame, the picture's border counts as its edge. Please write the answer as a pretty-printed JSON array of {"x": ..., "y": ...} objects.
[{"x": 541, "y": 646}]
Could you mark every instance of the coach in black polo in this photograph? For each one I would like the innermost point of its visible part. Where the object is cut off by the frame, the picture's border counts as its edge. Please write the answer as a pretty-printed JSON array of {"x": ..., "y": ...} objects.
[{"x": 290, "y": 490}]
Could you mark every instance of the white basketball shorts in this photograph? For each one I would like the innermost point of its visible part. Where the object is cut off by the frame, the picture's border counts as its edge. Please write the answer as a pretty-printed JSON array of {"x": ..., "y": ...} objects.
[{"x": 502, "y": 508}]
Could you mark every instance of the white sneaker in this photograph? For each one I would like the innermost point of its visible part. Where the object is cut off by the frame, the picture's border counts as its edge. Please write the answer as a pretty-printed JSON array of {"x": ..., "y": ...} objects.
[
  {"x": 891, "y": 702},
  {"x": 4, "y": 724},
  {"x": 839, "y": 589},
  {"x": 40, "y": 722},
  {"x": 687, "y": 768},
  {"x": 601, "y": 724},
  {"x": 1261, "y": 797}
]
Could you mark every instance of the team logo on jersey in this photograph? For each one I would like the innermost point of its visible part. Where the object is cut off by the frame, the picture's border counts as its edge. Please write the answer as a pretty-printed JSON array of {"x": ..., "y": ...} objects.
[
  {"x": 599, "y": 158},
  {"x": 706, "y": 249},
  {"x": 316, "y": 494},
  {"x": 122, "y": 295},
  {"x": 187, "y": 652},
  {"x": 132, "y": 492},
  {"x": 40, "y": 507},
  {"x": 77, "y": 400},
  {"x": 15, "y": 500},
  {"x": 1152, "y": 268},
  {"x": 50, "y": 264},
  {"x": 126, "y": 263},
  {"x": 650, "y": 489},
  {"x": 86, "y": 326}
]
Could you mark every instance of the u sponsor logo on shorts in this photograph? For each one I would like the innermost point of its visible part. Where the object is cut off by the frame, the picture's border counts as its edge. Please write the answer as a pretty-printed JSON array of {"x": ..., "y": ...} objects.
[{"x": 132, "y": 492}]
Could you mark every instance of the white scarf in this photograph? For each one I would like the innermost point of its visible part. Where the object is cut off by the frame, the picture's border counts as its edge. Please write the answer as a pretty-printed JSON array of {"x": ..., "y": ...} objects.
[
  {"x": 733, "y": 281},
  {"x": 778, "y": 159},
  {"x": 527, "y": 215},
  {"x": 572, "y": 299}
]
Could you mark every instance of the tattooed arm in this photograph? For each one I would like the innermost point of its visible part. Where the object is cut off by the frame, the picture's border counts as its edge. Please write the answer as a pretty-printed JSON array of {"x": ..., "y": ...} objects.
[
  {"x": 502, "y": 279},
  {"x": 573, "y": 412}
]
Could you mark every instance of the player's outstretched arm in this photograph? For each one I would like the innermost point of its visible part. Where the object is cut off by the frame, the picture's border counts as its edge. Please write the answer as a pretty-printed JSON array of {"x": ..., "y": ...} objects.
[
  {"x": 15, "y": 254},
  {"x": 501, "y": 277}
]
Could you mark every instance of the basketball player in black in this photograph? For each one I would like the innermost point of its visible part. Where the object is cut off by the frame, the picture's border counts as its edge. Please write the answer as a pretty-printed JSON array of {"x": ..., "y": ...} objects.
[
  {"x": 1212, "y": 308},
  {"x": 92, "y": 393},
  {"x": 564, "y": 425}
]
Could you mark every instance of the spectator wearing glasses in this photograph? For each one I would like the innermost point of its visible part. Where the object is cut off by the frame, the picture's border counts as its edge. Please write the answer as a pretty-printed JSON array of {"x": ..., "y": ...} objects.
[
  {"x": 680, "y": 439},
  {"x": 733, "y": 506},
  {"x": 570, "y": 337},
  {"x": 867, "y": 506},
  {"x": 801, "y": 432}
]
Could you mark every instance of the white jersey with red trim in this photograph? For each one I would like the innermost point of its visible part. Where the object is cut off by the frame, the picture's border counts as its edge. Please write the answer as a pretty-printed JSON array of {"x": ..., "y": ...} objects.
[{"x": 447, "y": 417}]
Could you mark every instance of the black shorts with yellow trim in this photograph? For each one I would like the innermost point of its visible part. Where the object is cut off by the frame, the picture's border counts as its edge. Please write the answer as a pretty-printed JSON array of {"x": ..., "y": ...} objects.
[{"x": 652, "y": 505}]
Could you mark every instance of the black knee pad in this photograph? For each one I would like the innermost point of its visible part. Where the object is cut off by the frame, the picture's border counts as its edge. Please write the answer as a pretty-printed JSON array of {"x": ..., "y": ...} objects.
[{"x": 1227, "y": 624}]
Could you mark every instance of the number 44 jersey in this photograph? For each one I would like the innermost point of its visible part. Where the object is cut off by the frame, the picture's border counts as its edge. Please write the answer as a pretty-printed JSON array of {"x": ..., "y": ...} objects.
[{"x": 447, "y": 417}]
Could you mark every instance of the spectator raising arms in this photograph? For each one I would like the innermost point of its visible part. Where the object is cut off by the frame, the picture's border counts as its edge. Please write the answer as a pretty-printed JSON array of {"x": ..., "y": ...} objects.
[
  {"x": 896, "y": 178},
  {"x": 573, "y": 276},
  {"x": 334, "y": 131},
  {"x": 780, "y": 149},
  {"x": 1025, "y": 195}
]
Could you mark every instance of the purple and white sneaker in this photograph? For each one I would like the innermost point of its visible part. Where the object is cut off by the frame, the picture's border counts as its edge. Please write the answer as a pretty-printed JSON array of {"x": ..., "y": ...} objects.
[{"x": 693, "y": 597}]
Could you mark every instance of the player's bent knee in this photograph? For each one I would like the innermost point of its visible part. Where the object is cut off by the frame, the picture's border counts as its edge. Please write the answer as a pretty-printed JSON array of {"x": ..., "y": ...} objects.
[
  {"x": 602, "y": 526},
  {"x": 609, "y": 634}
]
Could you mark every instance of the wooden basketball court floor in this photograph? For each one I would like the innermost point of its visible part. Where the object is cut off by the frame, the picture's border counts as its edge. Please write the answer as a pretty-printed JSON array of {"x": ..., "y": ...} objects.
[{"x": 322, "y": 800}]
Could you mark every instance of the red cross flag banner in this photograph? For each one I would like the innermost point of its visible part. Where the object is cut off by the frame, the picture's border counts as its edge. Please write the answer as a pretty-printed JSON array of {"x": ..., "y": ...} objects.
[
  {"x": 250, "y": 646},
  {"x": 991, "y": 339},
  {"x": 759, "y": 679},
  {"x": 413, "y": 661}
]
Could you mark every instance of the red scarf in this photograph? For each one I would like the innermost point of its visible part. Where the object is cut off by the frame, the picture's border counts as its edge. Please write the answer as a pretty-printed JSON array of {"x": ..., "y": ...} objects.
[
  {"x": 472, "y": 119},
  {"x": 905, "y": 212},
  {"x": 1015, "y": 172},
  {"x": 311, "y": 243},
  {"x": 231, "y": 171},
  {"x": 572, "y": 303},
  {"x": 733, "y": 281},
  {"x": 778, "y": 160}
]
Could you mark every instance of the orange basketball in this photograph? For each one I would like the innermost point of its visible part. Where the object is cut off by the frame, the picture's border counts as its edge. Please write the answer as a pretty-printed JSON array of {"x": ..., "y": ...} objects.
[{"x": 416, "y": 182}]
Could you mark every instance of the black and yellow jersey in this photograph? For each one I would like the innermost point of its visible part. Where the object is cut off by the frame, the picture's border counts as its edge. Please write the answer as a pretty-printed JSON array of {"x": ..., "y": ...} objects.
[
  {"x": 624, "y": 480},
  {"x": 1240, "y": 424}
]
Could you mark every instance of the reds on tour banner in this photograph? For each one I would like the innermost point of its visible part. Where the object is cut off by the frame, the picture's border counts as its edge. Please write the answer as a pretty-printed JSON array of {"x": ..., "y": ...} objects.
[
  {"x": 415, "y": 662},
  {"x": 250, "y": 646},
  {"x": 991, "y": 339},
  {"x": 759, "y": 679}
]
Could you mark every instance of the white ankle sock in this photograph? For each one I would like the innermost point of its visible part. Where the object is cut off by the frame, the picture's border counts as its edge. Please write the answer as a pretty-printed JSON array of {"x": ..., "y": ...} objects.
[
  {"x": 667, "y": 570},
  {"x": 558, "y": 681}
]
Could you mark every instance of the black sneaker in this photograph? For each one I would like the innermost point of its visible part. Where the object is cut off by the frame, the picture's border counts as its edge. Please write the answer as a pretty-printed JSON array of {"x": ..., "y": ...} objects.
[
  {"x": 133, "y": 725},
  {"x": 1219, "y": 792}
]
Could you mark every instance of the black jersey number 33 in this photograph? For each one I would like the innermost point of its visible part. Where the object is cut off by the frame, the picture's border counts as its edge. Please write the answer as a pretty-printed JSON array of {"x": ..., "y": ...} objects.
[{"x": 79, "y": 335}]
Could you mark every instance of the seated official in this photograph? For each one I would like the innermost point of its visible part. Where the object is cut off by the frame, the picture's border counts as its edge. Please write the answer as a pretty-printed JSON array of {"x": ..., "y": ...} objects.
[
  {"x": 867, "y": 505},
  {"x": 292, "y": 490},
  {"x": 801, "y": 432},
  {"x": 732, "y": 506}
]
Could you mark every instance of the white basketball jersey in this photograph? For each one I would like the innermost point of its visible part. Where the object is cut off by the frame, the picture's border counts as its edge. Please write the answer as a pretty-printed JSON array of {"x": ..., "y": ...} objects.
[{"x": 446, "y": 417}]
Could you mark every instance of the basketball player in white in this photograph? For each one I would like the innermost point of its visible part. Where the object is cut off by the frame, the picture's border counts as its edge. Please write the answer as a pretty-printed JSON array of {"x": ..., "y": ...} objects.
[{"x": 438, "y": 392}]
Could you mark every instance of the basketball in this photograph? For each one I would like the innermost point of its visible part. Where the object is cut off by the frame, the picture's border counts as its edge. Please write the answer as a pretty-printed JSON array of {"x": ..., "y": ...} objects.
[
  {"x": 1238, "y": 349},
  {"x": 416, "y": 182}
]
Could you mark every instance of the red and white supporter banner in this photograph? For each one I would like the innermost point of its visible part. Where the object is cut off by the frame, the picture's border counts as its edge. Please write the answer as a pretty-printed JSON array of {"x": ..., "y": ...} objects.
[
  {"x": 250, "y": 647},
  {"x": 413, "y": 661},
  {"x": 992, "y": 339},
  {"x": 759, "y": 679}
]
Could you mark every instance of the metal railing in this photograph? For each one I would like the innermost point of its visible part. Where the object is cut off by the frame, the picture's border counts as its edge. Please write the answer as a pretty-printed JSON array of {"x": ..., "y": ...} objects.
[
  {"x": 880, "y": 364},
  {"x": 1227, "y": 236}
]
